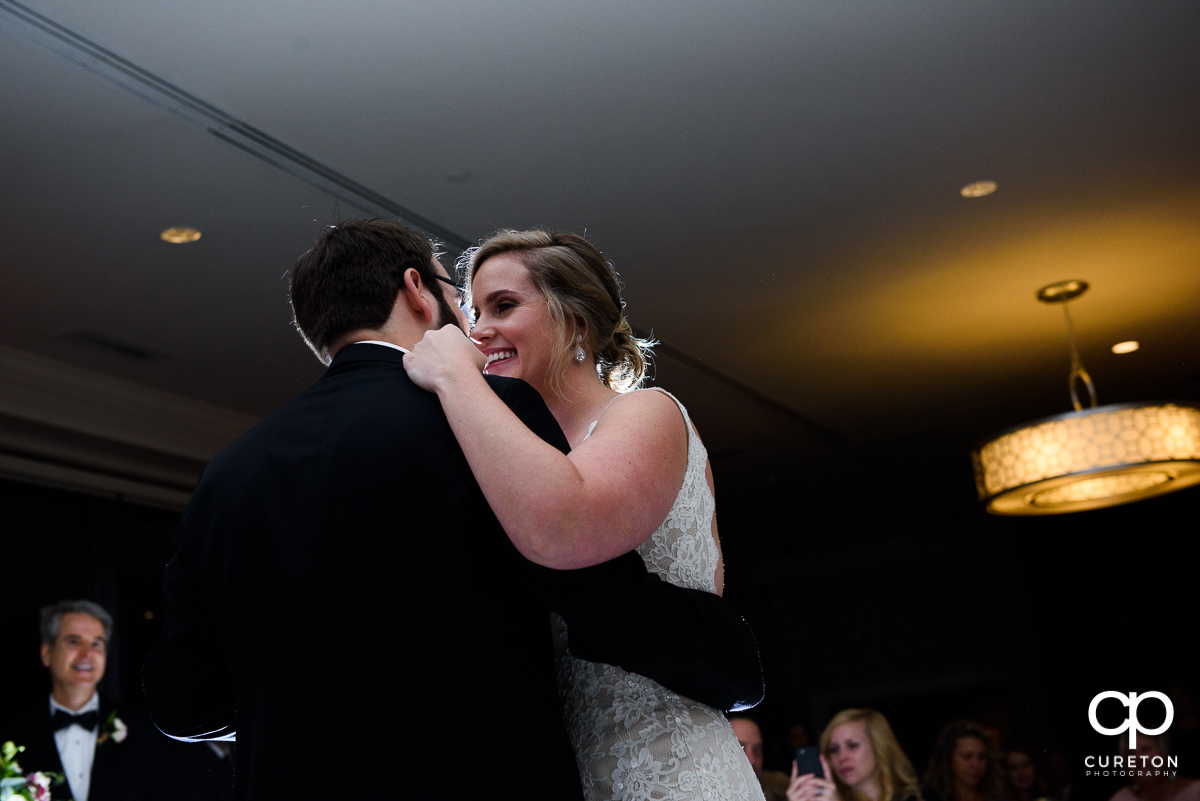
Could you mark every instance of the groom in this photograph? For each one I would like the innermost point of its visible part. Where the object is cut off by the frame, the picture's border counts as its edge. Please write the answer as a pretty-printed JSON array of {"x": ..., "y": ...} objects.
[{"x": 343, "y": 599}]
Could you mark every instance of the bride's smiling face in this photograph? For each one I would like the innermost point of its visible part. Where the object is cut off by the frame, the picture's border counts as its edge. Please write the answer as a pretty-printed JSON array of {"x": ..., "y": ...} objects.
[{"x": 512, "y": 327}]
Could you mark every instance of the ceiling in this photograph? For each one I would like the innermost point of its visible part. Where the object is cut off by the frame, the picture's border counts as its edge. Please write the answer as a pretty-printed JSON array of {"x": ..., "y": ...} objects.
[{"x": 777, "y": 184}]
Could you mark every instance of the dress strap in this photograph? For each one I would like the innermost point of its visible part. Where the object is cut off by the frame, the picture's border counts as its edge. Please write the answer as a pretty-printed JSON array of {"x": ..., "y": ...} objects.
[
  {"x": 682, "y": 410},
  {"x": 592, "y": 427}
]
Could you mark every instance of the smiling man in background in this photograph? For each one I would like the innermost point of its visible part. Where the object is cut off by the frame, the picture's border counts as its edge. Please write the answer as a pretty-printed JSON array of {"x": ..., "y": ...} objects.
[{"x": 103, "y": 754}]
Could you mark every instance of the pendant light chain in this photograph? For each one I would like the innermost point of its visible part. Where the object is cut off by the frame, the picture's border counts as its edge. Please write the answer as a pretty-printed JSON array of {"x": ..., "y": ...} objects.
[{"x": 1078, "y": 371}]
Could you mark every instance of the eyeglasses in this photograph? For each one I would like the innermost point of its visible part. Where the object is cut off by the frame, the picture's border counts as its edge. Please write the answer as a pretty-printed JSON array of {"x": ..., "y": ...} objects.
[{"x": 461, "y": 289}]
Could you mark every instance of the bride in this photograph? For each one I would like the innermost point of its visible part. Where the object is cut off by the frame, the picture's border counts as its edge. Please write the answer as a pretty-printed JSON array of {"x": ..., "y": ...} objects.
[{"x": 548, "y": 310}]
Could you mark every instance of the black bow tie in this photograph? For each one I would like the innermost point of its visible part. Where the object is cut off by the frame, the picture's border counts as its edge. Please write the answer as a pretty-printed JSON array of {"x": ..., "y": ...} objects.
[{"x": 61, "y": 719}]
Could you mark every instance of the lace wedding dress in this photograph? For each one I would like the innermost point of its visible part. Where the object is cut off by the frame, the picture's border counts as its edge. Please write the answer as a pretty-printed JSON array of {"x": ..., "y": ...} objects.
[{"x": 634, "y": 739}]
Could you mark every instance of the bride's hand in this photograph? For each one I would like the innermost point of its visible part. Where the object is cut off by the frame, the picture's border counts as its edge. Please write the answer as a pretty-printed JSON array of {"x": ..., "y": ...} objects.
[{"x": 442, "y": 357}]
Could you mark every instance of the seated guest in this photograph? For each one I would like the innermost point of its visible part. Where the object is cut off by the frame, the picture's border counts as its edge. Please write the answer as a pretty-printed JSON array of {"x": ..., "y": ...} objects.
[
  {"x": 867, "y": 763},
  {"x": 774, "y": 784},
  {"x": 798, "y": 737},
  {"x": 1155, "y": 784},
  {"x": 1024, "y": 781},
  {"x": 103, "y": 751},
  {"x": 1058, "y": 774},
  {"x": 750, "y": 738},
  {"x": 965, "y": 765}
]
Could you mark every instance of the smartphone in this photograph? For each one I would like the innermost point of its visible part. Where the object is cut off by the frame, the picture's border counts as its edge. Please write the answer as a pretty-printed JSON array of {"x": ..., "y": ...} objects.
[{"x": 808, "y": 760}]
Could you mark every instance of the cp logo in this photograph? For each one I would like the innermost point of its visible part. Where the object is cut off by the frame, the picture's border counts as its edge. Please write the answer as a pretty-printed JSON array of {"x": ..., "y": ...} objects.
[{"x": 1132, "y": 700}]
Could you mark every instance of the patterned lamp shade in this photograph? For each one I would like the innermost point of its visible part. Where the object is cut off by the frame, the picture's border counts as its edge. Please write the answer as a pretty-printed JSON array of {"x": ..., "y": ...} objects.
[{"x": 1090, "y": 459}]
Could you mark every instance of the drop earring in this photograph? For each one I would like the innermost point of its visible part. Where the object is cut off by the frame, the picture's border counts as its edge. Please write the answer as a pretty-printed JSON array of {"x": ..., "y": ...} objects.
[{"x": 580, "y": 355}]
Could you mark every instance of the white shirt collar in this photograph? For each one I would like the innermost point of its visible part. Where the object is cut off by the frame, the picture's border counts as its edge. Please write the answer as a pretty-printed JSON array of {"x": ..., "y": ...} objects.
[
  {"x": 77, "y": 749},
  {"x": 92, "y": 704},
  {"x": 380, "y": 342}
]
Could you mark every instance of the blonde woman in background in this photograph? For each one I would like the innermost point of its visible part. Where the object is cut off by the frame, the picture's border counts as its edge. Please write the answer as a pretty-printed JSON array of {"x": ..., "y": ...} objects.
[{"x": 862, "y": 761}]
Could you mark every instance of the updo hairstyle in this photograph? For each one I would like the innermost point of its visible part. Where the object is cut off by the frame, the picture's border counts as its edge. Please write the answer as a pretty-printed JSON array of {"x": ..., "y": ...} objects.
[{"x": 583, "y": 299}]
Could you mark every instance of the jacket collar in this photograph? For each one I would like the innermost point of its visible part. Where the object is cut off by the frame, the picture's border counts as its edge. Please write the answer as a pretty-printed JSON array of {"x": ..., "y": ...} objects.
[{"x": 367, "y": 352}]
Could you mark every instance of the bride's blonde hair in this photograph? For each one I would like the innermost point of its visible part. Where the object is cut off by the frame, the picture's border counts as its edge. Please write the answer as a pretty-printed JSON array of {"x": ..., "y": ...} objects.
[{"x": 583, "y": 299}]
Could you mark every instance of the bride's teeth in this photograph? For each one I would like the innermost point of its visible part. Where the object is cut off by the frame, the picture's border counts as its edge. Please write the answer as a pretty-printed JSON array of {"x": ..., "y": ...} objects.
[{"x": 501, "y": 354}]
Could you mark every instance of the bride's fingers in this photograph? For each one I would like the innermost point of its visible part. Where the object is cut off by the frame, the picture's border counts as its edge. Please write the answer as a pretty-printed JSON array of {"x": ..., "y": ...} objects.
[{"x": 442, "y": 354}]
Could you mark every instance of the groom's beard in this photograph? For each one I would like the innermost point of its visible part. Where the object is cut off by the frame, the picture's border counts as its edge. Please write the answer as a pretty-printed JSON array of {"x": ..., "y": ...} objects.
[{"x": 446, "y": 314}]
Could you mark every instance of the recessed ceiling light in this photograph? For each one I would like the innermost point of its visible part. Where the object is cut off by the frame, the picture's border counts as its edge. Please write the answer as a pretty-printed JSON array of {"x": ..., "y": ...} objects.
[
  {"x": 180, "y": 235},
  {"x": 1126, "y": 347},
  {"x": 978, "y": 189}
]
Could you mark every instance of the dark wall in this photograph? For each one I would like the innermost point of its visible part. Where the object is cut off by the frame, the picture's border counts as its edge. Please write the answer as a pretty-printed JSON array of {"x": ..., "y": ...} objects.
[{"x": 930, "y": 612}]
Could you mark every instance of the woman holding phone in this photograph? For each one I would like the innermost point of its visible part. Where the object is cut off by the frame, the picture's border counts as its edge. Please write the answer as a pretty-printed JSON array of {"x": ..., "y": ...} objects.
[{"x": 860, "y": 761}]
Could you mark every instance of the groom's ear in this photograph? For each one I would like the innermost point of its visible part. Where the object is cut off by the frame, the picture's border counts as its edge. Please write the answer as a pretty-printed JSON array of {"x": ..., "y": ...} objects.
[{"x": 412, "y": 296}]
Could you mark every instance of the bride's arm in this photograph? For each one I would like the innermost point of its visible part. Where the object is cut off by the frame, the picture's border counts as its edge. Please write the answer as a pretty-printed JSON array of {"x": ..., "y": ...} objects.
[{"x": 562, "y": 511}]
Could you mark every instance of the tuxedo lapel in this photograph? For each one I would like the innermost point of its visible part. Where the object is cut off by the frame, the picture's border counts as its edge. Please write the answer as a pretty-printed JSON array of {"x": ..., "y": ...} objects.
[
  {"x": 41, "y": 752},
  {"x": 47, "y": 753},
  {"x": 102, "y": 760}
]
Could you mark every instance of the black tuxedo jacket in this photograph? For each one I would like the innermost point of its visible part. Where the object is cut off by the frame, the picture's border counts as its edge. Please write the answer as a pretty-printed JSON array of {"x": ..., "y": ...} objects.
[
  {"x": 196, "y": 773},
  {"x": 342, "y": 597},
  {"x": 131, "y": 770}
]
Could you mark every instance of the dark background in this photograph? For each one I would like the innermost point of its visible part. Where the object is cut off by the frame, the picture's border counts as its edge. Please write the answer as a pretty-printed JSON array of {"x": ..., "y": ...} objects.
[
  {"x": 778, "y": 185},
  {"x": 924, "y": 614}
]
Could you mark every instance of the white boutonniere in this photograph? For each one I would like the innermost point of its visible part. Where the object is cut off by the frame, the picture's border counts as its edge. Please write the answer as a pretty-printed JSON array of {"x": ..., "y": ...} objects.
[{"x": 113, "y": 727}]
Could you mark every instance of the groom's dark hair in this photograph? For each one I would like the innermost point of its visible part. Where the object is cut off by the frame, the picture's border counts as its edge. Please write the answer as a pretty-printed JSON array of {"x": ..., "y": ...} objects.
[{"x": 350, "y": 278}]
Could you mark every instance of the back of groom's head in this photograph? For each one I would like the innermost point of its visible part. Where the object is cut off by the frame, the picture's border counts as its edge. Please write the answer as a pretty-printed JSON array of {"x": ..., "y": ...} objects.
[{"x": 350, "y": 278}]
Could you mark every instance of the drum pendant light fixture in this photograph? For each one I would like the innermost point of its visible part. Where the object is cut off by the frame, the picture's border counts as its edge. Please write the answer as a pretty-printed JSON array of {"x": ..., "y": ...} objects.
[{"x": 1089, "y": 458}]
